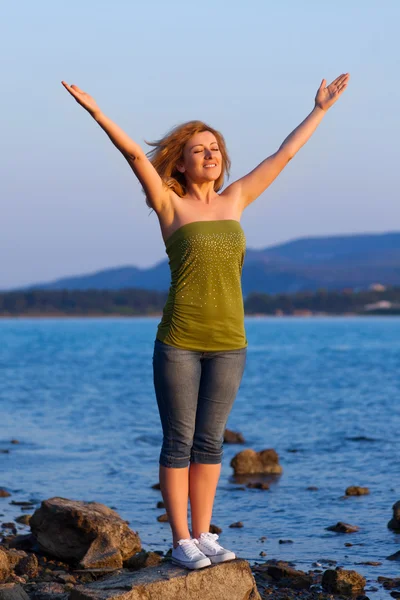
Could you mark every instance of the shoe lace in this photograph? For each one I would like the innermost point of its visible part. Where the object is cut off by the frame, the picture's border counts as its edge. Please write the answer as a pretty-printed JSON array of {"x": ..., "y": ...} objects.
[
  {"x": 189, "y": 547},
  {"x": 211, "y": 538}
]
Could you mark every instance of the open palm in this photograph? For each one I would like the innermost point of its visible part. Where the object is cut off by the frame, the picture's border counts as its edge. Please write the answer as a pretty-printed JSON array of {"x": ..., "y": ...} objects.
[
  {"x": 326, "y": 96},
  {"x": 82, "y": 98}
]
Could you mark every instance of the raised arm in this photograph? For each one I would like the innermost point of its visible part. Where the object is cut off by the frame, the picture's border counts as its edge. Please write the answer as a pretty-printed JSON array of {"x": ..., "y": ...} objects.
[
  {"x": 156, "y": 192},
  {"x": 254, "y": 183}
]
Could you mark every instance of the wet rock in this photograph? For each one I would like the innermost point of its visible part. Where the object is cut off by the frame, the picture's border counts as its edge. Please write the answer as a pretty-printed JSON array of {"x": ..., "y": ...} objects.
[
  {"x": 285, "y": 541},
  {"x": 12, "y": 591},
  {"x": 215, "y": 529},
  {"x": 262, "y": 553},
  {"x": 4, "y": 493},
  {"x": 389, "y": 582},
  {"x": 233, "y": 437},
  {"x": 24, "y": 519},
  {"x": 395, "y": 556},
  {"x": 14, "y": 556},
  {"x": 156, "y": 486},
  {"x": 232, "y": 579},
  {"x": 160, "y": 504},
  {"x": 24, "y": 542},
  {"x": 63, "y": 576},
  {"x": 142, "y": 559},
  {"x": 286, "y": 575},
  {"x": 163, "y": 518},
  {"x": 341, "y": 527},
  {"x": 258, "y": 485},
  {"x": 4, "y": 566},
  {"x": 10, "y": 525},
  {"x": 342, "y": 581},
  {"x": 49, "y": 590},
  {"x": 370, "y": 563},
  {"x": 249, "y": 461},
  {"x": 355, "y": 490},
  {"x": 394, "y": 522},
  {"x": 28, "y": 565},
  {"x": 237, "y": 524},
  {"x": 312, "y": 488},
  {"x": 89, "y": 533}
]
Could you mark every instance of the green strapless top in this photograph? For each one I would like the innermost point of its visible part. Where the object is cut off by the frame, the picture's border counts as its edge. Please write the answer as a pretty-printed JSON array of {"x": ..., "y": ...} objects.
[{"x": 204, "y": 310}]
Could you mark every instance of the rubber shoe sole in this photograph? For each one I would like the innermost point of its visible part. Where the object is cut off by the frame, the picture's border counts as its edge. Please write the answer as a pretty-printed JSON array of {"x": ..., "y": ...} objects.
[
  {"x": 199, "y": 564},
  {"x": 219, "y": 558}
]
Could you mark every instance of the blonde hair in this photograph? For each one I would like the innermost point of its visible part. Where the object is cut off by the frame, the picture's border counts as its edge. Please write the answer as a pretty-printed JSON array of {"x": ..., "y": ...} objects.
[{"x": 168, "y": 151}]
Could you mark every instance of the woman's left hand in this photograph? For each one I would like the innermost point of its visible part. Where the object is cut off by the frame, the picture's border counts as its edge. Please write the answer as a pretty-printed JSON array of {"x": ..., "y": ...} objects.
[{"x": 326, "y": 96}]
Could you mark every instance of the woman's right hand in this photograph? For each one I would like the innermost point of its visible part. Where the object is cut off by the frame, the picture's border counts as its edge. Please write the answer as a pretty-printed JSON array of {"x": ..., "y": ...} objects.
[{"x": 82, "y": 98}]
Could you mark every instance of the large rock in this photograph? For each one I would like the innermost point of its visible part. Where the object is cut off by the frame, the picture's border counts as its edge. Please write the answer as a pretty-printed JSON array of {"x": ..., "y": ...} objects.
[
  {"x": 12, "y": 591},
  {"x": 394, "y": 522},
  {"x": 232, "y": 579},
  {"x": 342, "y": 581},
  {"x": 249, "y": 461},
  {"x": 85, "y": 533},
  {"x": 4, "y": 566}
]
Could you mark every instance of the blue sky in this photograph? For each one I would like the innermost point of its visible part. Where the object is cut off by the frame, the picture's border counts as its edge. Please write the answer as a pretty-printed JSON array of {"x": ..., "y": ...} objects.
[{"x": 69, "y": 202}]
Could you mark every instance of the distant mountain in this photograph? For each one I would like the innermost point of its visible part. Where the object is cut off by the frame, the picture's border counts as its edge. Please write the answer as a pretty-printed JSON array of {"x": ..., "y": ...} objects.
[{"x": 335, "y": 262}]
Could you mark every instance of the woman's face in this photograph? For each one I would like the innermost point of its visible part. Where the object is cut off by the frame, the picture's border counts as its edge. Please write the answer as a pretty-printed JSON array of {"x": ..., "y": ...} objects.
[{"x": 202, "y": 160}]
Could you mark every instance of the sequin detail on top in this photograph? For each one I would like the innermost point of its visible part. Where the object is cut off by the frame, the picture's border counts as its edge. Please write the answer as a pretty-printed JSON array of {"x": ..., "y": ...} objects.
[{"x": 204, "y": 310}]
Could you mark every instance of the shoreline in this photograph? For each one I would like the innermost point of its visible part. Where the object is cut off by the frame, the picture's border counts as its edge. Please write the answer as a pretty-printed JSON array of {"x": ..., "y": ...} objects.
[{"x": 159, "y": 315}]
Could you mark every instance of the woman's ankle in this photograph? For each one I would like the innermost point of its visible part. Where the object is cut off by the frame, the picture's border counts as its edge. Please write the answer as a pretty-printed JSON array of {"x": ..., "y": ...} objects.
[{"x": 177, "y": 539}]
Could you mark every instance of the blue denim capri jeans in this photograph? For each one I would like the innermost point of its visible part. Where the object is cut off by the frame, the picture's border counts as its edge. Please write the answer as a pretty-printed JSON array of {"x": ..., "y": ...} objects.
[{"x": 195, "y": 393}]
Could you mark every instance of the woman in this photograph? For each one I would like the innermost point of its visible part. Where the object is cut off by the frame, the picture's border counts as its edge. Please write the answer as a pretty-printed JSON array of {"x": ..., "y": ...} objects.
[{"x": 200, "y": 346}]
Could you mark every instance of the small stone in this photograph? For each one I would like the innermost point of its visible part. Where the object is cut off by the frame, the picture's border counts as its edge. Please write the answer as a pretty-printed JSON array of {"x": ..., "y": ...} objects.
[
  {"x": 394, "y": 522},
  {"x": 141, "y": 560},
  {"x": 262, "y": 553},
  {"x": 249, "y": 461},
  {"x": 4, "y": 493},
  {"x": 163, "y": 518},
  {"x": 24, "y": 519},
  {"x": 312, "y": 488},
  {"x": 237, "y": 524},
  {"x": 215, "y": 529},
  {"x": 156, "y": 486},
  {"x": 233, "y": 437},
  {"x": 258, "y": 485},
  {"x": 285, "y": 541},
  {"x": 355, "y": 490},
  {"x": 341, "y": 527},
  {"x": 160, "y": 504}
]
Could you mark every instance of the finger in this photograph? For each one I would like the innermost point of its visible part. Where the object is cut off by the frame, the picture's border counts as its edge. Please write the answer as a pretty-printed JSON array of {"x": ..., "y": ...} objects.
[
  {"x": 69, "y": 88},
  {"x": 75, "y": 87},
  {"x": 323, "y": 83},
  {"x": 340, "y": 79}
]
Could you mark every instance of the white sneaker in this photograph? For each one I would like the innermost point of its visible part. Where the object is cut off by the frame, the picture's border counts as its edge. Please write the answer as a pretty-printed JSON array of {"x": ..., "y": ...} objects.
[
  {"x": 187, "y": 554},
  {"x": 209, "y": 546}
]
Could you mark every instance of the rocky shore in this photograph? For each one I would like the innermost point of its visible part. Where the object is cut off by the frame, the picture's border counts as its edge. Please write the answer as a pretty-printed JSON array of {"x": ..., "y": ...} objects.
[{"x": 79, "y": 550}]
